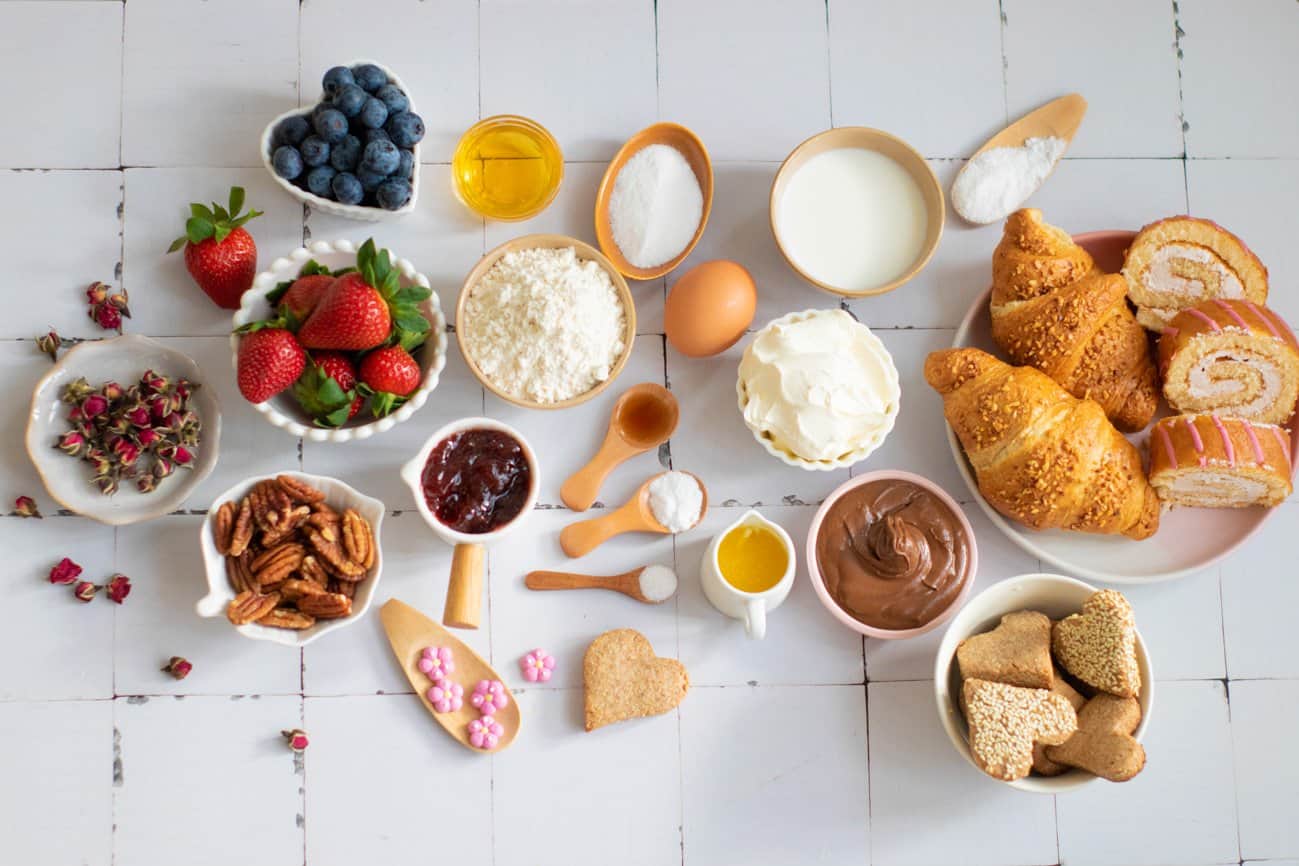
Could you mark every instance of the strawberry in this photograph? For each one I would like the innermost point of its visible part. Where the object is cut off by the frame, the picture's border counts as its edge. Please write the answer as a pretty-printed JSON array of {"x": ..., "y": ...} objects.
[
  {"x": 304, "y": 294},
  {"x": 327, "y": 389},
  {"x": 367, "y": 308},
  {"x": 269, "y": 360},
  {"x": 219, "y": 252},
  {"x": 389, "y": 375}
]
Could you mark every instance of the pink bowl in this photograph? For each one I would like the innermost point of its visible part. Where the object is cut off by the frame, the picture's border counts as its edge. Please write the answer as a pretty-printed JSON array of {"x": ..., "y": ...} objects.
[{"x": 818, "y": 583}]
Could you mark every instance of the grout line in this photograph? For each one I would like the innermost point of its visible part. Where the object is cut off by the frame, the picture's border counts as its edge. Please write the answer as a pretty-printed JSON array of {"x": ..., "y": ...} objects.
[
  {"x": 1005, "y": 63},
  {"x": 829, "y": 67},
  {"x": 658, "y": 109},
  {"x": 1178, "y": 33}
]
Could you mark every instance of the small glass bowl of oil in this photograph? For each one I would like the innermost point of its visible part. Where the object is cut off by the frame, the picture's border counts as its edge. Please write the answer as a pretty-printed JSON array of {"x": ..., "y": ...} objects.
[{"x": 507, "y": 168}]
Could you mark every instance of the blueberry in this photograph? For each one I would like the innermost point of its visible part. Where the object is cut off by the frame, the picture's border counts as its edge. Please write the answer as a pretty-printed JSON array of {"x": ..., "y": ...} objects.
[
  {"x": 370, "y": 180},
  {"x": 374, "y": 113},
  {"x": 349, "y": 100},
  {"x": 347, "y": 189},
  {"x": 335, "y": 78},
  {"x": 406, "y": 166},
  {"x": 405, "y": 129},
  {"x": 375, "y": 135},
  {"x": 291, "y": 130},
  {"x": 287, "y": 161},
  {"x": 393, "y": 193},
  {"x": 369, "y": 76},
  {"x": 315, "y": 151},
  {"x": 381, "y": 157},
  {"x": 331, "y": 125},
  {"x": 393, "y": 97},
  {"x": 318, "y": 180},
  {"x": 346, "y": 154}
]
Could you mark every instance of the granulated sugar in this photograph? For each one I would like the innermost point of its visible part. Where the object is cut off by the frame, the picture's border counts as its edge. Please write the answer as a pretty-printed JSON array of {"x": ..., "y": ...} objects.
[
  {"x": 996, "y": 182},
  {"x": 676, "y": 500},
  {"x": 655, "y": 206}
]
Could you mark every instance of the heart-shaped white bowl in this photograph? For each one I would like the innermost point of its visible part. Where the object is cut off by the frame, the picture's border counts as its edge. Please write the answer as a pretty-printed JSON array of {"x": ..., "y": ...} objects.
[
  {"x": 123, "y": 360},
  {"x": 219, "y": 591},
  {"x": 324, "y": 205},
  {"x": 282, "y": 410}
]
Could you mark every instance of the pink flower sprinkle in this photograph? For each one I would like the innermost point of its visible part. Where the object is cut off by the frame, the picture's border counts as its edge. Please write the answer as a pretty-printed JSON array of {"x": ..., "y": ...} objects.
[
  {"x": 485, "y": 733},
  {"x": 489, "y": 696},
  {"x": 446, "y": 696},
  {"x": 436, "y": 663},
  {"x": 537, "y": 666}
]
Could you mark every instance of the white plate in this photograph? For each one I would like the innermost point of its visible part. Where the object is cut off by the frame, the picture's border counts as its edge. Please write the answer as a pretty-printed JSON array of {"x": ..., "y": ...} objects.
[{"x": 122, "y": 360}]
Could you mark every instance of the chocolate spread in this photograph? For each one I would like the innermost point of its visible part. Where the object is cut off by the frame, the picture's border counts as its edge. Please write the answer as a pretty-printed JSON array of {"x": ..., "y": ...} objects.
[{"x": 892, "y": 554}]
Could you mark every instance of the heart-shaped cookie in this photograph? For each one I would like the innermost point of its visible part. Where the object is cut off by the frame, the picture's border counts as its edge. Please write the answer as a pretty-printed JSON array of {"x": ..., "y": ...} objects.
[
  {"x": 1099, "y": 645},
  {"x": 1041, "y": 763},
  {"x": 1005, "y": 721},
  {"x": 625, "y": 680},
  {"x": 1103, "y": 744},
  {"x": 1017, "y": 652}
]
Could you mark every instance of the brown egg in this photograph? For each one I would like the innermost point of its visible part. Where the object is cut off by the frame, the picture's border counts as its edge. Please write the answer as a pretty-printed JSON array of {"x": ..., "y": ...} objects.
[{"x": 709, "y": 308}]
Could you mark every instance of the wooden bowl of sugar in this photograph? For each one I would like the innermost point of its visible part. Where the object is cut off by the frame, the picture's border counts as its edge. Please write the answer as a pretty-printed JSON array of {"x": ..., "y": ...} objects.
[{"x": 660, "y": 171}]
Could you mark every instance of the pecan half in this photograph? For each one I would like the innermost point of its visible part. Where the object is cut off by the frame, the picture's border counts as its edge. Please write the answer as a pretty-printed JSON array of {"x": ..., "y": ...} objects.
[
  {"x": 285, "y": 528},
  {"x": 311, "y": 569},
  {"x": 343, "y": 587},
  {"x": 240, "y": 575},
  {"x": 250, "y": 606},
  {"x": 270, "y": 504},
  {"x": 242, "y": 533},
  {"x": 299, "y": 491},
  {"x": 325, "y": 509},
  {"x": 358, "y": 539},
  {"x": 332, "y": 555},
  {"x": 295, "y": 588},
  {"x": 286, "y": 617},
  {"x": 277, "y": 563},
  {"x": 326, "y": 605},
  {"x": 223, "y": 527}
]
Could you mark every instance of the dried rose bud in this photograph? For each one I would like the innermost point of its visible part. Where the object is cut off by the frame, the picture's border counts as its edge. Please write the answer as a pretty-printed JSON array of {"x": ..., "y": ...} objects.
[
  {"x": 120, "y": 300},
  {"x": 84, "y": 590},
  {"x": 50, "y": 344},
  {"x": 107, "y": 484},
  {"x": 76, "y": 390},
  {"x": 72, "y": 443},
  {"x": 183, "y": 456},
  {"x": 127, "y": 451},
  {"x": 107, "y": 317},
  {"x": 94, "y": 406},
  {"x": 184, "y": 388},
  {"x": 296, "y": 739},
  {"x": 25, "y": 506},
  {"x": 97, "y": 293},
  {"x": 119, "y": 587},
  {"x": 148, "y": 437},
  {"x": 153, "y": 381},
  {"x": 178, "y": 667},
  {"x": 146, "y": 483},
  {"x": 65, "y": 572},
  {"x": 162, "y": 467},
  {"x": 139, "y": 416},
  {"x": 112, "y": 391}
]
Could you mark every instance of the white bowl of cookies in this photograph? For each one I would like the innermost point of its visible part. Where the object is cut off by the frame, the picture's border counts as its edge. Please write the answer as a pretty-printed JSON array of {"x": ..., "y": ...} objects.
[
  {"x": 1043, "y": 682},
  {"x": 290, "y": 557}
]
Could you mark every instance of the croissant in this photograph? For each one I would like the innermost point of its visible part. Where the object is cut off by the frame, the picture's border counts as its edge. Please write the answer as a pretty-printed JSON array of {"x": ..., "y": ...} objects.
[
  {"x": 1051, "y": 309},
  {"x": 1042, "y": 456}
]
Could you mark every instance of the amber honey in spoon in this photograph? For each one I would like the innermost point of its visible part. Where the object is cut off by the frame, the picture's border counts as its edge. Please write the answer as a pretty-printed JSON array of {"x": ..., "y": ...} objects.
[{"x": 644, "y": 417}]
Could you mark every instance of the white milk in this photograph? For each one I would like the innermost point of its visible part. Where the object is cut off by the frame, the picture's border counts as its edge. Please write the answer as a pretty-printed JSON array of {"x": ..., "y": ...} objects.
[{"x": 852, "y": 218}]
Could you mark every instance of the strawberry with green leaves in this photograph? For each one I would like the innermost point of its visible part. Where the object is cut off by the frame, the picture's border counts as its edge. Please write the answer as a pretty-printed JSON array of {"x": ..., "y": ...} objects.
[
  {"x": 367, "y": 308},
  {"x": 388, "y": 376},
  {"x": 269, "y": 360},
  {"x": 327, "y": 389},
  {"x": 219, "y": 253}
]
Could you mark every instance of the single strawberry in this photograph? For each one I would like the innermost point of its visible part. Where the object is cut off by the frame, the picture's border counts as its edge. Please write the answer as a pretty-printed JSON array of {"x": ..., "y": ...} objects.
[
  {"x": 304, "y": 294},
  {"x": 388, "y": 376},
  {"x": 219, "y": 252},
  {"x": 367, "y": 308},
  {"x": 327, "y": 389},
  {"x": 269, "y": 360}
]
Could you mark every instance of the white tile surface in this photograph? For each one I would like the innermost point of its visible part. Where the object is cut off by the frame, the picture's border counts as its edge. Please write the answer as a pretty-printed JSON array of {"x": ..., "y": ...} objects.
[
  {"x": 431, "y": 46},
  {"x": 1181, "y": 624},
  {"x": 408, "y": 821},
  {"x": 539, "y": 60},
  {"x": 1261, "y": 642},
  {"x": 63, "y": 754},
  {"x": 725, "y": 66},
  {"x": 70, "y": 237},
  {"x": 1267, "y": 766},
  {"x": 1085, "y": 195},
  {"x": 72, "y": 110},
  {"x": 247, "y": 807},
  {"x": 747, "y": 754},
  {"x": 1233, "y": 58},
  {"x": 1182, "y": 797},
  {"x": 21, "y": 366},
  {"x": 201, "y": 80},
  {"x": 1055, "y": 47},
  {"x": 875, "y": 46},
  {"x": 915, "y": 775}
]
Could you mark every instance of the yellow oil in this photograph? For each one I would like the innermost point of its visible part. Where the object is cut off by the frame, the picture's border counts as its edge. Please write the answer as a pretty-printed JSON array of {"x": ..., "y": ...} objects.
[
  {"x": 752, "y": 558},
  {"x": 507, "y": 168}
]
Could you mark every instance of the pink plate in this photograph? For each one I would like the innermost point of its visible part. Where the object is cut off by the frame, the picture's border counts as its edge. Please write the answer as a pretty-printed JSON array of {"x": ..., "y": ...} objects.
[{"x": 1188, "y": 540}]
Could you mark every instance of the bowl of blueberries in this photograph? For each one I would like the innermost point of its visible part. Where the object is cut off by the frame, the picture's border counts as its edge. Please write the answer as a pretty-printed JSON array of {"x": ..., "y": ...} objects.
[{"x": 356, "y": 152}]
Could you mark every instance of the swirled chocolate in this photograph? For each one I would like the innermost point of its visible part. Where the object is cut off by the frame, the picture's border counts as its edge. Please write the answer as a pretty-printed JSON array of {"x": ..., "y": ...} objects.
[{"x": 892, "y": 555}]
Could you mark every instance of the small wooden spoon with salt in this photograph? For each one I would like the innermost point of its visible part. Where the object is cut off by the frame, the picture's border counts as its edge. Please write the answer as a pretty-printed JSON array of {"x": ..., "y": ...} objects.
[
  {"x": 635, "y": 515},
  {"x": 659, "y": 580}
]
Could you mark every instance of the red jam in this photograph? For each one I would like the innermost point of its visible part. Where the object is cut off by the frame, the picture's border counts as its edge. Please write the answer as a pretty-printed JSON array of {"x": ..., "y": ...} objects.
[{"x": 477, "y": 480}]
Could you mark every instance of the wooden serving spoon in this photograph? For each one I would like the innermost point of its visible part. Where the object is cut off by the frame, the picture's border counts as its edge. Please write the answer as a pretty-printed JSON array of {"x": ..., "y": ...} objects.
[
  {"x": 635, "y": 515},
  {"x": 409, "y": 631},
  {"x": 628, "y": 583},
  {"x": 643, "y": 418},
  {"x": 1059, "y": 118}
]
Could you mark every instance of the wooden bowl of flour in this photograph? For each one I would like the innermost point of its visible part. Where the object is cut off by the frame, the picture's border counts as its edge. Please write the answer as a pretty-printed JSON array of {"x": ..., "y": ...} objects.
[{"x": 585, "y": 252}]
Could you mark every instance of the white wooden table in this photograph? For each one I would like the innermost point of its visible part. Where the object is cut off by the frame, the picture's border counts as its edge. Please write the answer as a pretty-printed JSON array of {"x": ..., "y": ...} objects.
[{"x": 809, "y": 747}]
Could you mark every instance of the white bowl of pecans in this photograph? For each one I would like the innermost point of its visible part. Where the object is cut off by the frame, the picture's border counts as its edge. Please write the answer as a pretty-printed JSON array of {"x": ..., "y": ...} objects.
[{"x": 291, "y": 556}]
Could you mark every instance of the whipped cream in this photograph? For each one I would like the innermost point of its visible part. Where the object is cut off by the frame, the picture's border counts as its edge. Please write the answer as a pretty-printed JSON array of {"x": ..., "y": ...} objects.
[{"x": 819, "y": 385}]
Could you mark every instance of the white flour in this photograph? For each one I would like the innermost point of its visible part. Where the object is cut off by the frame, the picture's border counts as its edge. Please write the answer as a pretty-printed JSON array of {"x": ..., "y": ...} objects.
[
  {"x": 996, "y": 182},
  {"x": 655, "y": 206},
  {"x": 544, "y": 325}
]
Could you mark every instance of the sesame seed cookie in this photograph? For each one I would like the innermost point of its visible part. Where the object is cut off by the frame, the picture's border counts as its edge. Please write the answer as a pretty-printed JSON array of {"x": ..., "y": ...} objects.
[{"x": 1099, "y": 645}]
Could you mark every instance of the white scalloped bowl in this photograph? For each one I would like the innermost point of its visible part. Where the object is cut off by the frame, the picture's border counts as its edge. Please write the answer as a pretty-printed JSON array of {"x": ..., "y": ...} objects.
[
  {"x": 282, "y": 410},
  {"x": 324, "y": 205},
  {"x": 843, "y": 461},
  {"x": 219, "y": 592}
]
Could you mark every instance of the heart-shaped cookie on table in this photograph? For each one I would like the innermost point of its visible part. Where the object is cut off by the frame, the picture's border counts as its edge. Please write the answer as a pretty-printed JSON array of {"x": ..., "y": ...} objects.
[
  {"x": 1099, "y": 645},
  {"x": 623, "y": 679},
  {"x": 1017, "y": 652},
  {"x": 1103, "y": 745},
  {"x": 1005, "y": 721}
]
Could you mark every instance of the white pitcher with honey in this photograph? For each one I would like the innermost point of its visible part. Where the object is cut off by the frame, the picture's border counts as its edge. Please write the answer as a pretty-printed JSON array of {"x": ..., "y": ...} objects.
[{"x": 748, "y": 570}]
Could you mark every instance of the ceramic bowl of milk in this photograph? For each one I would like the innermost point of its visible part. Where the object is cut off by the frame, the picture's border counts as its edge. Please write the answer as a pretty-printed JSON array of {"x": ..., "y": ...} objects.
[{"x": 856, "y": 211}]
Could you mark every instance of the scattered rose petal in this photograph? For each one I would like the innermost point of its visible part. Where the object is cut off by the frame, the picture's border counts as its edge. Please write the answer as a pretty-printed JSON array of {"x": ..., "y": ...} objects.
[
  {"x": 65, "y": 572},
  {"x": 119, "y": 587}
]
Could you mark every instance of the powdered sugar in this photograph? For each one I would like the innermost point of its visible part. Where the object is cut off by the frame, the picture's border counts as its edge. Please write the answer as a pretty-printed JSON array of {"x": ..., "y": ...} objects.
[
  {"x": 544, "y": 325},
  {"x": 676, "y": 500},
  {"x": 999, "y": 180},
  {"x": 655, "y": 206}
]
